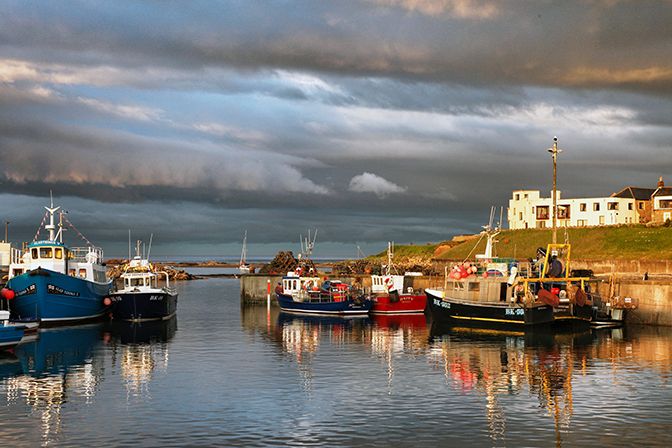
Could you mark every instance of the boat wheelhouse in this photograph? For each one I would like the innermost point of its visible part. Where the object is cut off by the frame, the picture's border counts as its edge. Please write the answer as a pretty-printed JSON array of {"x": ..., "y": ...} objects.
[{"x": 52, "y": 282}]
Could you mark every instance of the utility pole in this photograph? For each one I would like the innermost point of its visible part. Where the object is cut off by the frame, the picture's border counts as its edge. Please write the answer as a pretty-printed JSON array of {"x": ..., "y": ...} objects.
[
  {"x": 6, "y": 231},
  {"x": 554, "y": 154}
]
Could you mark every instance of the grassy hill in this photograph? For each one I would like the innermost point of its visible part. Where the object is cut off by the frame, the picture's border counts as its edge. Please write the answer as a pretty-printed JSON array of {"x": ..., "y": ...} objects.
[{"x": 623, "y": 242}]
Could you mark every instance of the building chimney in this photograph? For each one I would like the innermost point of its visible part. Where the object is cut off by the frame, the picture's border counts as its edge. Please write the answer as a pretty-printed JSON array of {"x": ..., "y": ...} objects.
[{"x": 661, "y": 184}]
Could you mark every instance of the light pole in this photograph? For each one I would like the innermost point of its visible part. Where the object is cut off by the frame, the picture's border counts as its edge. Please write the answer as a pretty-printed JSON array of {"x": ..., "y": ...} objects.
[{"x": 554, "y": 154}]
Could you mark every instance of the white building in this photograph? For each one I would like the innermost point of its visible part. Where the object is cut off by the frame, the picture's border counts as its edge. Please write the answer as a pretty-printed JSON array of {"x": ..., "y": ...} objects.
[{"x": 527, "y": 209}]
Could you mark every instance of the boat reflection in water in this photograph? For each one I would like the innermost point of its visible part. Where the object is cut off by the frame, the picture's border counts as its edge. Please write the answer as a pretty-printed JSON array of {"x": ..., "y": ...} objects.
[
  {"x": 300, "y": 336},
  {"x": 58, "y": 365},
  {"x": 499, "y": 363},
  {"x": 140, "y": 349},
  {"x": 396, "y": 336}
]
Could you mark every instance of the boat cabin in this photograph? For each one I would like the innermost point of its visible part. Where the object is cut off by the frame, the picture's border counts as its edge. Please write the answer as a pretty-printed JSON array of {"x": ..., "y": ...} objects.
[
  {"x": 81, "y": 262},
  {"x": 293, "y": 284}
]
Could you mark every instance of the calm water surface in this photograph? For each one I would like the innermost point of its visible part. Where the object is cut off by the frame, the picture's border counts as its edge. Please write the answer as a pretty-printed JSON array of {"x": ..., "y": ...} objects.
[{"x": 222, "y": 375}]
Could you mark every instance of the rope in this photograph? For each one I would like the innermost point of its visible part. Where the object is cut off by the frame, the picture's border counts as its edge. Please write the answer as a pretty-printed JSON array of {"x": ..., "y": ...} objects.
[
  {"x": 44, "y": 219},
  {"x": 67, "y": 221},
  {"x": 474, "y": 248}
]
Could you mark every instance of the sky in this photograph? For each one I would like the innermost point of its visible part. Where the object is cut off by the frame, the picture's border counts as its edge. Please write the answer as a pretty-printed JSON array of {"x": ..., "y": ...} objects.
[{"x": 369, "y": 120}]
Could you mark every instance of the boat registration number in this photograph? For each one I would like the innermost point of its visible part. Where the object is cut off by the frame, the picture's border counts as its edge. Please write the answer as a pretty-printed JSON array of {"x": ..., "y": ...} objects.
[
  {"x": 441, "y": 303},
  {"x": 515, "y": 311}
]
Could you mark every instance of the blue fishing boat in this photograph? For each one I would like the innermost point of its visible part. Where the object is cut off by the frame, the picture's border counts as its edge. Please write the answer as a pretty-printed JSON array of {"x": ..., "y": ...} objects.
[
  {"x": 10, "y": 334},
  {"x": 51, "y": 282},
  {"x": 303, "y": 295}
]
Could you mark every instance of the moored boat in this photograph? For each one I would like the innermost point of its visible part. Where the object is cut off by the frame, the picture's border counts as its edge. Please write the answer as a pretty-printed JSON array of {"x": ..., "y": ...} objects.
[
  {"x": 53, "y": 283},
  {"x": 306, "y": 295},
  {"x": 10, "y": 334},
  {"x": 395, "y": 294},
  {"x": 141, "y": 298},
  {"x": 501, "y": 292}
]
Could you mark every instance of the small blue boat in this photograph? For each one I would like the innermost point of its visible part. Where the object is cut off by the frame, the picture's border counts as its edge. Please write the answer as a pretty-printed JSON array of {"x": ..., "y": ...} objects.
[
  {"x": 51, "y": 282},
  {"x": 301, "y": 295},
  {"x": 10, "y": 334}
]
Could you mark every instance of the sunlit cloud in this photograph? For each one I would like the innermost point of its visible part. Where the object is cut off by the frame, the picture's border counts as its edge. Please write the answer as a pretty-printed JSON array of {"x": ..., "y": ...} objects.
[{"x": 371, "y": 183}]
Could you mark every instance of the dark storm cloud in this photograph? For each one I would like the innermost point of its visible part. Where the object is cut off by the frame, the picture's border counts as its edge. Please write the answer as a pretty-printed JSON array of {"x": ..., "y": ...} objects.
[{"x": 594, "y": 44}]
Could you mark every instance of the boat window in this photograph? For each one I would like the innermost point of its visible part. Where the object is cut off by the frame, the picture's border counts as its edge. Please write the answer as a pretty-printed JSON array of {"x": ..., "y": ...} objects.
[
  {"x": 33, "y": 253},
  {"x": 474, "y": 286},
  {"x": 458, "y": 286},
  {"x": 58, "y": 252},
  {"x": 82, "y": 273},
  {"x": 46, "y": 252},
  {"x": 71, "y": 272}
]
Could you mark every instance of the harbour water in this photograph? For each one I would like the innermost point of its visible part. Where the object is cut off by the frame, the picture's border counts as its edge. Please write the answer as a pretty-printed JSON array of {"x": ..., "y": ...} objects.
[{"x": 223, "y": 375}]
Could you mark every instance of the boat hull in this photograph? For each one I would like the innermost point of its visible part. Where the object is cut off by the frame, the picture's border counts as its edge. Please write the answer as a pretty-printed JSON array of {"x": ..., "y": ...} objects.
[
  {"x": 345, "y": 307},
  {"x": 447, "y": 309},
  {"x": 10, "y": 335},
  {"x": 49, "y": 296},
  {"x": 406, "y": 304},
  {"x": 142, "y": 306}
]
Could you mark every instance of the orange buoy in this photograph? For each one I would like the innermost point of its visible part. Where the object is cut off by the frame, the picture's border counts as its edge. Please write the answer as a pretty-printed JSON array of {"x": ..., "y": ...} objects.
[
  {"x": 107, "y": 301},
  {"x": 8, "y": 294},
  {"x": 549, "y": 298}
]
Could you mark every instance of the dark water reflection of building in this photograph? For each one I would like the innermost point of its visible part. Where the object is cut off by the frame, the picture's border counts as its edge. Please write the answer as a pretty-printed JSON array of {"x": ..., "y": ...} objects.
[
  {"x": 500, "y": 363},
  {"x": 63, "y": 364}
]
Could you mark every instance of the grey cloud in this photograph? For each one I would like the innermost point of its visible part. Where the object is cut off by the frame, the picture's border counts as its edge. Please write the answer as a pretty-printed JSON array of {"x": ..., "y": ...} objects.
[{"x": 522, "y": 44}]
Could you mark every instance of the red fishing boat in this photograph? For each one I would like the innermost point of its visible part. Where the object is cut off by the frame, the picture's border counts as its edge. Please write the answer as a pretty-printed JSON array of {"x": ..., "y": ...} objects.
[{"x": 396, "y": 294}]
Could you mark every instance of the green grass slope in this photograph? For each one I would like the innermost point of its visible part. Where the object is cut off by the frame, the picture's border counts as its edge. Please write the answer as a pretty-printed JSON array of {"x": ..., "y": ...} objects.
[{"x": 623, "y": 242}]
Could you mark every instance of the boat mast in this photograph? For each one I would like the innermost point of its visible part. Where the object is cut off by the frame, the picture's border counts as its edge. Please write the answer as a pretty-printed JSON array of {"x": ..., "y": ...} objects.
[
  {"x": 554, "y": 154},
  {"x": 243, "y": 254},
  {"x": 51, "y": 227}
]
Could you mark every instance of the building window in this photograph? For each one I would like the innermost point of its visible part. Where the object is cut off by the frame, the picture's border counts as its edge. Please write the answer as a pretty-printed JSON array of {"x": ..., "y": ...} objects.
[
  {"x": 665, "y": 203},
  {"x": 583, "y": 206},
  {"x": 520, "y": 216},
  {"x": 612, "y": 205},
  {"x": 596, "y": 206},
  {"x": 582, "y": 222},
  {"x": 526, "y": 196},
  {"x": 541, "y": 224},
  {"x": 542, "y": 212},
  {"x": 640, "y": 206},
  {"x": 563, "y": 211},
  {"x": 517, "y": 197},
  {"x": 601, "y": 220},
  {"x": 629, "y": 205}
]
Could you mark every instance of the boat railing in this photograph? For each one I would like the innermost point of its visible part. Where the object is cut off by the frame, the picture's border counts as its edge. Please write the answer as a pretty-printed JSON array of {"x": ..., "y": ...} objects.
[
  {"x": 90, "y": 254},
  {"x": 168, "y": 288}
]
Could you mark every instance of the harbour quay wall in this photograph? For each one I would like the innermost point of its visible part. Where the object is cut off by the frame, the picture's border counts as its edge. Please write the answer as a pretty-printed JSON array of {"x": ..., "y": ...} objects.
[{"x": 654, "y": 297}]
